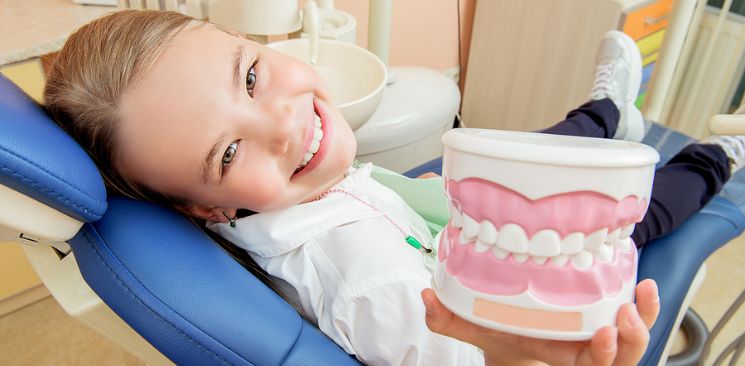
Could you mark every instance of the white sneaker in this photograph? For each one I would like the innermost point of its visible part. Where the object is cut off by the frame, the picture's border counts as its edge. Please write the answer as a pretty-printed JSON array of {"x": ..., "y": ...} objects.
[
  {"x": 733, "y": 146},
  {"x": 618, "y": 76}
]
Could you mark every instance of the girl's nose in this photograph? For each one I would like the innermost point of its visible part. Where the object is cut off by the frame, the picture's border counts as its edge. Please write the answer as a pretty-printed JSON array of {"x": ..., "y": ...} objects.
[{"x": 280, "y": 127}]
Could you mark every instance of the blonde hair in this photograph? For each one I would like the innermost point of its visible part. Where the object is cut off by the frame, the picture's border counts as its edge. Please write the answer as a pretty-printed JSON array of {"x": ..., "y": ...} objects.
[
  {"x": 89, "y": 77},
  {"x": 87, "y": 81}
]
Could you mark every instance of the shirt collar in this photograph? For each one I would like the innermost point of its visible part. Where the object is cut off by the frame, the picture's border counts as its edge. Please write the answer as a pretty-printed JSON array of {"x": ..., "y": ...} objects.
[{"x": 275, "y": 233}]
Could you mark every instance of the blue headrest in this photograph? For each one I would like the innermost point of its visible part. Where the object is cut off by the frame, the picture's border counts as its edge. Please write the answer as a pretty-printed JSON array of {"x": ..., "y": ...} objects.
[
  {"x": 38, "y": 159},
  {"x": 185, "y": 295}
]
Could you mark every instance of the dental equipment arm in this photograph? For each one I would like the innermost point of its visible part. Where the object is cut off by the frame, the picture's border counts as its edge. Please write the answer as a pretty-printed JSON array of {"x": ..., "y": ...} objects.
[{"x": 727, "y": 124}]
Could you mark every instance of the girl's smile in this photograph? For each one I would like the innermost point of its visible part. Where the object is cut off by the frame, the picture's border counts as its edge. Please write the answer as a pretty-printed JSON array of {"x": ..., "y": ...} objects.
[
  {"x": 240, "y": 126},
  {"x": 320, "y": 134}
]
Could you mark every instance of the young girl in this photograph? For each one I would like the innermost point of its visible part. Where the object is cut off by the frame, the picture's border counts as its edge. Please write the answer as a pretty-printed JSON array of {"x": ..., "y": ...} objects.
[{"x": 183, "y": 113}]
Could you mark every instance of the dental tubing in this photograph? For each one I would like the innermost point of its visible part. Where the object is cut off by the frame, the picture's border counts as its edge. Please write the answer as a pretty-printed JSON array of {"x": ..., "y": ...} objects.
[{"x": 538, "y": 243}]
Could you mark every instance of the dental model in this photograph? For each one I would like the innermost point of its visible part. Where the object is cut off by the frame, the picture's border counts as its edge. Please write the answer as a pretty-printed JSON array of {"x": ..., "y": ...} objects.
[{"x": 538, "y": 243}]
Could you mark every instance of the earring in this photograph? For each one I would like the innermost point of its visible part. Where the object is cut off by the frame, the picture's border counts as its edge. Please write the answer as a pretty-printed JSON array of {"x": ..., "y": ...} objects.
[{"x": 231, "y": 220}]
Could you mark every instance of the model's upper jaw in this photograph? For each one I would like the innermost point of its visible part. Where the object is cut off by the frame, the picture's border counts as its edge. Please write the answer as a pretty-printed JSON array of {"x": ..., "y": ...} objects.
[{"x": 579, "y": 226}]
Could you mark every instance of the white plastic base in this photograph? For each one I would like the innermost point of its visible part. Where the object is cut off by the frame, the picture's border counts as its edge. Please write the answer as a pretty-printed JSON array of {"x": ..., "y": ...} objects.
[
  {"x": 34, "y": 219},
  {"x": 462, "y": 301},
  {"x": 406, "y": 129},
  {"x": 403, "y": 158}
]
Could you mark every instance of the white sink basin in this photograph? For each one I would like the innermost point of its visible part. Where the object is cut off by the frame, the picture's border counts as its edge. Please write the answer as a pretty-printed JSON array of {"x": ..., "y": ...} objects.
[{"x": 354, "y": 75}]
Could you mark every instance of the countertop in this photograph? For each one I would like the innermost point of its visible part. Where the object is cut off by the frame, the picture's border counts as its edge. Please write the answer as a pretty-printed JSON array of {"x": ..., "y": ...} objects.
[{"x": 32, "y": 28}]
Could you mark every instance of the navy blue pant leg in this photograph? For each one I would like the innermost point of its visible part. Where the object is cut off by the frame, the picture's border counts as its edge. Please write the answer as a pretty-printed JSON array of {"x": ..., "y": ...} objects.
[
  {"x": 596, "y": 118},
  {"x": 681, "y": 188}
]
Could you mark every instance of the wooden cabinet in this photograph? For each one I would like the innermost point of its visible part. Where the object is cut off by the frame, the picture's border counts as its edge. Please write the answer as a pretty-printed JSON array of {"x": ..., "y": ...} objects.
[
  {"x": 532, "y": 61},
  {"x": 647, "y": 18}
]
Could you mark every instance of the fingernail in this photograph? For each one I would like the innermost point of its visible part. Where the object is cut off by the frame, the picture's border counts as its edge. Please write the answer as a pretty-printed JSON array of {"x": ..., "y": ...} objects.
[
  {"x": 656, "y": 297},
  {"x": 427, "y": 306},
  {"x": 633, "y": 318},
  {"x": 610, "y": 346}
]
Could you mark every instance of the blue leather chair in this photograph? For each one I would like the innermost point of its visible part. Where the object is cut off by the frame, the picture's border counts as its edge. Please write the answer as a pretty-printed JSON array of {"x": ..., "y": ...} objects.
[{"x": 185, "y": 295}]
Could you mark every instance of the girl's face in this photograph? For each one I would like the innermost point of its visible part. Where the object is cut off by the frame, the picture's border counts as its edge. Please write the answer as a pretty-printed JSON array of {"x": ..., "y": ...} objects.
[{"x": 227, "y": 123}]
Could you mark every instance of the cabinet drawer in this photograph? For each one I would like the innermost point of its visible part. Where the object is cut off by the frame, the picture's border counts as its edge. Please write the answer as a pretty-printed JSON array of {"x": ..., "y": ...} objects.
[
  {"x": 648, "y": 19},
  {"x": 651, "y": 44}
]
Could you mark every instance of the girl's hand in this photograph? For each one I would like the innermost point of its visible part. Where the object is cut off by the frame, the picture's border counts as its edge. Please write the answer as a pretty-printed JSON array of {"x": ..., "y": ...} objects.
[{"x": 620, "y": 345}]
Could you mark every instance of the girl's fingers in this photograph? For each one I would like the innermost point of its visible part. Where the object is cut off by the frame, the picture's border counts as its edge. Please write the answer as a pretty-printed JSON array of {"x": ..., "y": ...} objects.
[
  {"x": 602, "y": 350},
  {"x": 441, "y": 320},
  {"x": 633, "y": 336},
  {"x": 648, "y": 301},
  {"x": 625, "y": 343}
]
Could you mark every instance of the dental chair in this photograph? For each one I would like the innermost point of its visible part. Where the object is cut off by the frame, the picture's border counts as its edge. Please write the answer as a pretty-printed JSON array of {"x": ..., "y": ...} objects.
[{"x": 149, "y": 279}]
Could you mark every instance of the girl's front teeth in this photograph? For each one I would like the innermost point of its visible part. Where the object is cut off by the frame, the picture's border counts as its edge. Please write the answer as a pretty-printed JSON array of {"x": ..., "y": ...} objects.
[{"x": 315, "y": 144}]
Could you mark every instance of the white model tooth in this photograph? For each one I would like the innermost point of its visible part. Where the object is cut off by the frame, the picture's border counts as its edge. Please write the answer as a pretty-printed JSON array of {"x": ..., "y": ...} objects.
[
  {"x": 481, "y": 247},
  {"x": 487, "y": 232},
  {"x": 613, "y": 236},
  {"x": 573, "y": 243},
  {"x": 539, "y": 260},
  {"x": 626, "y": 231},
  {"x": 513, "y": 239},
  {"x": 596, "y": 239},
  {"x": 623, "y": 244},
  {"x": 582, "y": 260},
  {"x": 307, "y": 156},
  {"x": 463, "y": 239},
  {"x": 470, "y": 226},
  {"x": 456, "y": 218},
  {"x": 604, "y": 253},
  {"x": 500, "y": 253},
  {"x": 314, "y": 145},
  {"x": 560, "y": 260},
  {"x": 520, "y": 258},
  {"x": 545, "y": 243},
  {"x": 317, "y": 121}
]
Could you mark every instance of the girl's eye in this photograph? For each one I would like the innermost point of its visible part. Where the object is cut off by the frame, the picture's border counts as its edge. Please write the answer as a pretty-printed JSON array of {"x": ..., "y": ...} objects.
[
  {"x": 230, "y": 152},
  {"x": 251, "y": 80}
]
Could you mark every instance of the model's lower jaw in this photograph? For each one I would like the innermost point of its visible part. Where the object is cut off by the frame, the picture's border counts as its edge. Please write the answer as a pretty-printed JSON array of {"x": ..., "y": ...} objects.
[
  {"x": 538, "y": 243},
  {"x": 568, "y": 243},
  {"x": 586, "y": 278}
]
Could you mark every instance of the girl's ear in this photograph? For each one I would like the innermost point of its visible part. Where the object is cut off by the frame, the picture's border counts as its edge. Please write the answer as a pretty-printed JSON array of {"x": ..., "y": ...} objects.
[{"x": 215, "y": 214}]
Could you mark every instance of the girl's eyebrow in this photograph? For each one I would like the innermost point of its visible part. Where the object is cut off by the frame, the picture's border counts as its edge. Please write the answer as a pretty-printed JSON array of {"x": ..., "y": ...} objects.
[
  {"x": 209, "y": 161},
  {"x": 237, "y": 62}
]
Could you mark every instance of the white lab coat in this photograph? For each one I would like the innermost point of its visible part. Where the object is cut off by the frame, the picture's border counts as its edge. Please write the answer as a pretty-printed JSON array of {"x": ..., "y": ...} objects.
[{"x": 353, "y": 272}]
